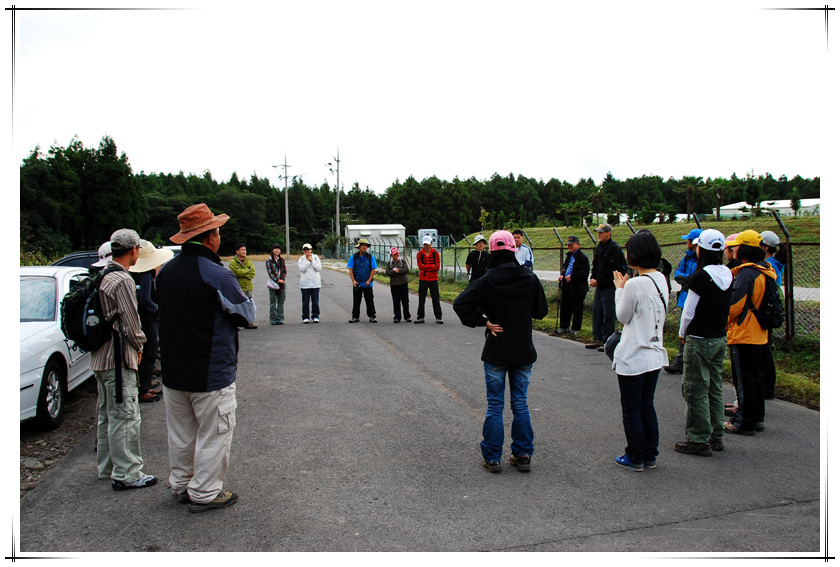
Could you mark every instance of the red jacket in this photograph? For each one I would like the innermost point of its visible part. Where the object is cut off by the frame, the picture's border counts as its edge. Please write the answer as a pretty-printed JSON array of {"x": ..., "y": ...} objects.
[{"x": 429, "y": 265}]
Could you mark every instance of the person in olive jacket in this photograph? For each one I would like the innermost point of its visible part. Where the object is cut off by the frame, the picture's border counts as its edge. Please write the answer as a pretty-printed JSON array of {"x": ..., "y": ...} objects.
[
  {"x": 504, "y": 302},
  {"x": 574, "y": 283},
  {"x": 397, "y": 270}
]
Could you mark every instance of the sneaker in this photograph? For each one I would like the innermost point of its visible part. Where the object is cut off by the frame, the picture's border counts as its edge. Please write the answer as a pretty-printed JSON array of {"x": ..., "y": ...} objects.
[
  {"x": 759, "y": 425},
  {"x": 601, "y": 349},
  {"x": 439, "y": 321},
  {"x": 729, "y": 428},
  {"x": 418, "y": 321},
  {"x": 372, "y": 319},
  {"x": 354, "y": 320},
  {"x": 594, "y": 344},
  {"x": 730, "y": 409},
  {"x": 396, "y": 320},
  {"x": 559, "y": 332},
  {"x": 183, "y": 497},
  {"x": 316, "y": 320},
  {"x": 408, "y": 319},
  {"x": 251, "y": 326},
  {"x": 143, "y": 482},
  {"x": 492, "y": 466},
  {"x": 623, "y": 461},
  {"x": 522, "y": 463},
  {"x": 650, "y": 464},
  {"x": 574, "y": 334},
  {"x": 692, "y": 448},
  {"x": 716, "y": 443},
  {"x": 673, "y": 369},
  {"x": 222, "y": 500},
  {"x": 305, "y": 321}
]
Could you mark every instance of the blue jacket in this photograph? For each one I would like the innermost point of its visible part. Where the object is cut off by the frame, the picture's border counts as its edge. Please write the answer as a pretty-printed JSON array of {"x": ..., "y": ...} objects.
[
  {"x": 201, "y": 306},
  {"x": 688, "y": 265},
  {"x": 362, "y": 265}
]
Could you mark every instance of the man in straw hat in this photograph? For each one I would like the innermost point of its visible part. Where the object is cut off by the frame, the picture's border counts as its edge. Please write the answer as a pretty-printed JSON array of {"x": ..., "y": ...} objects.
[
  {"x": 114, "y": 364},
  {"x": 143, "y": 273},
  {"x": 201, "y": 306}
]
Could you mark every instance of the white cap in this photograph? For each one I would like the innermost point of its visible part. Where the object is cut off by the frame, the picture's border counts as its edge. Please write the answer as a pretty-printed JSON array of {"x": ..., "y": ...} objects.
[
  {"x": 770, "y": 238},
  {"x": 104, "y": 254},
  {"x": 427, "y": 239},
  {"x": 479, "y": 238},
  {"x": 711, "y": 239}
]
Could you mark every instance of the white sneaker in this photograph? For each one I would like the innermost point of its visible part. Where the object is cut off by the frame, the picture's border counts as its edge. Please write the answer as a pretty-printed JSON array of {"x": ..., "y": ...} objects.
[
  {"x": 305, "y": 321},
  {"x": 315, "y": 320}
]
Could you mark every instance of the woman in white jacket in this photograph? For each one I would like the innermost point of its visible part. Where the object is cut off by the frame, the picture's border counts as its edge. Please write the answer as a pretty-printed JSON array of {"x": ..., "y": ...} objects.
[
  {"x": 310, "y": 284},
  {"x": 640, "y": 305}
]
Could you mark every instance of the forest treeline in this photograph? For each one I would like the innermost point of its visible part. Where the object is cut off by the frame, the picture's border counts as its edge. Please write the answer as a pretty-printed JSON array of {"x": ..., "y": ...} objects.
[{"x": 73, "y": 198}]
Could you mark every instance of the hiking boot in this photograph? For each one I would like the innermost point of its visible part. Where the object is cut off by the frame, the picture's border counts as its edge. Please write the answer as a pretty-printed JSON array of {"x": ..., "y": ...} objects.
[
  {"x": 650, "y": 464},
  {"x": 522, "y": 463},
  {"x": 594, "y": 344},
  {"x": 729, "y": 428},
  {"x": 143, "y": 482},
  {"x": 492, "y": 466},
  {"x": 408, "y": 319},
  {"x": 149, "y": 397},
  {"x": 183, "y": 497},
  {"x": 559, "y": 332},
  {"x": 222, "y": 500},
  {"x": 372, "y": 319},
  {"x": 716, "y": 442},
  {"x": 439, "y": 321},
  {"x": 354, "y": 320},
  {"x": 692, "y": 448},
  {"x": 674, "y": 369},
  {"x": 623, "y": 461},
  {"x": 418, "y": 321},
  {"x": 730, "y": 409},
  {"x": 396, "y": 320}
]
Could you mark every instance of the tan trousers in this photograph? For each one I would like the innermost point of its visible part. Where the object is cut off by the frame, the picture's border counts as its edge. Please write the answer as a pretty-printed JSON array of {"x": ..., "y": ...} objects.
[
  {"x": 118, "y": 453},
  {"x": 200, "y": 426}
]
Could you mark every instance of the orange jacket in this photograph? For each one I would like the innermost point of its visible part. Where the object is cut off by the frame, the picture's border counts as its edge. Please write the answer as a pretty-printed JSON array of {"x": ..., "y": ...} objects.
[
  {"x": 742, "y": 327},
  {"x": 429, "y": 265}
]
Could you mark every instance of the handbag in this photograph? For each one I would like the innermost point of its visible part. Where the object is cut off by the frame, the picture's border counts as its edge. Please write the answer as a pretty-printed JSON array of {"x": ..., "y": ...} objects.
[{"x": 271, "y": 284}]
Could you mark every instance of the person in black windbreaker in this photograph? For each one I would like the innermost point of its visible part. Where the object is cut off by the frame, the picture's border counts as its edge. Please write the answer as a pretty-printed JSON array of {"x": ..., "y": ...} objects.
[
  {"x": 574, "y": 284},
  {"x": 504, "y": 302},
  {"x": 608, "y": 259}
]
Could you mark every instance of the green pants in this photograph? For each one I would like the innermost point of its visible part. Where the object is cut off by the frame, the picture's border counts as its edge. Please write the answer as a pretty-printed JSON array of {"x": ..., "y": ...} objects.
[
  {"x": 118, "y": 428},
  {"x": 702, "y": 388}
]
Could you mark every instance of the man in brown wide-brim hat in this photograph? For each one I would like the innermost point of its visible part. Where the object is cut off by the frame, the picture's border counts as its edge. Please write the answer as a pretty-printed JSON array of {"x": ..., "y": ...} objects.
[{"x": 201, "y": 305}]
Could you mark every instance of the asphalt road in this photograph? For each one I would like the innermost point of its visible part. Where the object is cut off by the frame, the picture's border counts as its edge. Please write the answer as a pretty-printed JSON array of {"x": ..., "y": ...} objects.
[{"x": 365, "y": 437}]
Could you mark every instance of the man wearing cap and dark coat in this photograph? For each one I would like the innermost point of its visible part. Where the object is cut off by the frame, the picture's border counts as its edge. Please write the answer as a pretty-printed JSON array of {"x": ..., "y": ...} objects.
[
  {"x": 573, "y": 285},
  {"x": 201, "y": 306},
  {"x": 362, "y": 268},
  {"x": 687, "y": 267},
  {"x": 504, "y": 302},
  {"x": 477, "y": 259},
  {"x": 114, "y": 365},
  {"x": 397, "y": 270},
  {"x": 608, "y": 259}
]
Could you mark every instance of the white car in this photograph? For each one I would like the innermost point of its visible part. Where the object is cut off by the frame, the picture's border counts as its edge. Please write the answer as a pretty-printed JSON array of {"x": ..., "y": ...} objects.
[{"x": 50, "y": 364}]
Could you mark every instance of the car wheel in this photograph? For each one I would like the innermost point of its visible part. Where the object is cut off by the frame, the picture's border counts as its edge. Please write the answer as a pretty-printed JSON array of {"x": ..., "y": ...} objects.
[{"x": 51, "y": 397}]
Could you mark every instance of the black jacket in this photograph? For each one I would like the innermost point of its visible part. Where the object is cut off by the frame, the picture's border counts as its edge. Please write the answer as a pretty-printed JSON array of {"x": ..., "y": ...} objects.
[
  {"x": 478, "y": 261},
  {"x": 579, "y": 284},
  {"x": 608, "y": 258},
  {"x": 509, "y": 295}
]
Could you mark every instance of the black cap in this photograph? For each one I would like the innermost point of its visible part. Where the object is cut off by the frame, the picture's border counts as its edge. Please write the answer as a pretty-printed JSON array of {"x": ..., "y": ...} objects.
[{"x": 574, "y": 239}]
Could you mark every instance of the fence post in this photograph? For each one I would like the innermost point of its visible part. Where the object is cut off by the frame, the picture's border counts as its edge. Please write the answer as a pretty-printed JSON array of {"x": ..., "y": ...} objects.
[
  {"x": 697, "y": 220},
  {"x": 633, "y": 230},
  {"x": 787, "y": 278},
  {"x": 594, "y": 241}
]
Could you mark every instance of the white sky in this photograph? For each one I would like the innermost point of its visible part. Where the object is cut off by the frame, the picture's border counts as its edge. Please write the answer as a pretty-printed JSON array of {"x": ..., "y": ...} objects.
[{"x": 544, "y": 89}]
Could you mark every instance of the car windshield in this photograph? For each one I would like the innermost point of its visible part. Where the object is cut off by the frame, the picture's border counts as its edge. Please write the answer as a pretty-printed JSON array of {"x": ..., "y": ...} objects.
[{"x": 37, "y": 298}]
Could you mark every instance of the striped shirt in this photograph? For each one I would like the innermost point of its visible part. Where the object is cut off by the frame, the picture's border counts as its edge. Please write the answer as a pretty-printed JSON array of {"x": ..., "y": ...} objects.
[{"x": 118, "y": 294}]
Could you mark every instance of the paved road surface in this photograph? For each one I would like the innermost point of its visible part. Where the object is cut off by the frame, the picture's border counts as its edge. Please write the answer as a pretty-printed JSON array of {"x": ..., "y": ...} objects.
[{"x": 365, "y": 438}]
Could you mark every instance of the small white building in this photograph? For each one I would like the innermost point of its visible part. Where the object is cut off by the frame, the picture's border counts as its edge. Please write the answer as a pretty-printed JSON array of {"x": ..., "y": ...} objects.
[
  {"x": 377, "y": 234},
  {"x": 782, "y": 206}
]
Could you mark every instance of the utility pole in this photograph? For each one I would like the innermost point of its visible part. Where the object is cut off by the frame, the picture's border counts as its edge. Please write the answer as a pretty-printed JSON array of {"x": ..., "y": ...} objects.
[
  {"x": 285, "y": 178},
  {"x": 337, "y": 210}
]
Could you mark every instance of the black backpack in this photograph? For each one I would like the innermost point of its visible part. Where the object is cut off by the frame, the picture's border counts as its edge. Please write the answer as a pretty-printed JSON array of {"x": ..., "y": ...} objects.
[
  {"x": 770, "y": 314},
  {"x": 82, "y": 320}
]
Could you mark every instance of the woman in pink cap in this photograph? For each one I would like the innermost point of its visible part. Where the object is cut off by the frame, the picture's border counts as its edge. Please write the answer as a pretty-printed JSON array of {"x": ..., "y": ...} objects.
[{"x": 397, "y": 270}]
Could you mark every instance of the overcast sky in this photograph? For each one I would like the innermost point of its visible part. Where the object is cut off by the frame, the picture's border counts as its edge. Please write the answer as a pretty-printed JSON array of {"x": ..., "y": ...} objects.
[{"x": 543, "y": 89}]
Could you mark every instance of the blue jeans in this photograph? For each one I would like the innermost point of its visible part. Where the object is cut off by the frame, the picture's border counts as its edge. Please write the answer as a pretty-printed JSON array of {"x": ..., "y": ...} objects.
[
  {"x": 307, "y": 295},
  {"x": 603, "y": 314},
  {"x": 641, "y": 427},
  {"x": 521, "y": 433}
]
